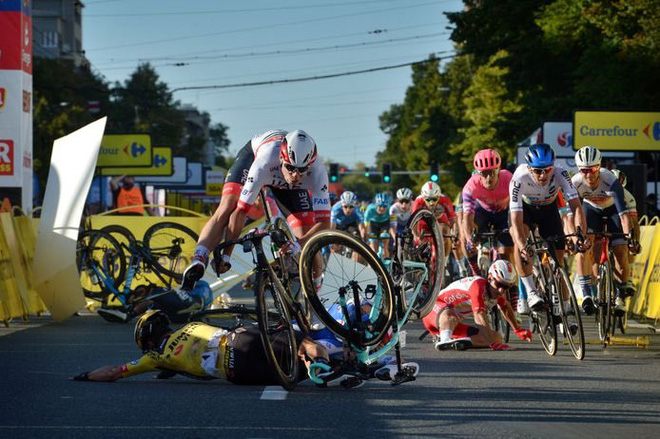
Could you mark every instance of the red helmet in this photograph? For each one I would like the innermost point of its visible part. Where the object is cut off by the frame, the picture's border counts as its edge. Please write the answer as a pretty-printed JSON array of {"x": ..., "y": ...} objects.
[{"x": 487, "y": 159}]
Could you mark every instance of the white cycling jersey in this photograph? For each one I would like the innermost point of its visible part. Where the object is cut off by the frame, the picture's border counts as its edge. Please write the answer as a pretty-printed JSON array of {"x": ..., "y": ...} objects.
[
  {"x": 524, "y": 188},
  {"x": 266, "y": 170},
  {"x": 631, "y": 203},
  {"x": 398, "y": 216},
  {"x": 607, "y": 193}
]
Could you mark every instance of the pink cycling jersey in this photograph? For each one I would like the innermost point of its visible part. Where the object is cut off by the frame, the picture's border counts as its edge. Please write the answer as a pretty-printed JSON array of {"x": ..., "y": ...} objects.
[{"x": 495, "y": 200}]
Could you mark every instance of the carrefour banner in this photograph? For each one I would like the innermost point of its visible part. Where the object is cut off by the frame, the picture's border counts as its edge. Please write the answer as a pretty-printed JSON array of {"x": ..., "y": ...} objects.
[
  {"x": 162, "y": 165},
  {"x": 617, "y": 130},
  {"x": 125, "y": 150},
  {"x": 16, "y": 101}
]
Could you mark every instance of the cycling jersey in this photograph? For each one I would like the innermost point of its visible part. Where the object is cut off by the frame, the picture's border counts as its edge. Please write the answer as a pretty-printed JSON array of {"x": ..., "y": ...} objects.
[
  {"x": 607, "y": 192},
  {"x": 466, "y": 295},
  {"x": 310, "y": 195},
  {"x": 343, "y": 221},
  {"x": 524, "y": 188},
  {"x": 631, "y": 203},
  {"x": 399, "y": 217},
  {"x": 495, "y": 200},
  {"x": 202, "y": 351},
  {"x": 371, "y": 215},
  {"x": 443, "y": 210}
]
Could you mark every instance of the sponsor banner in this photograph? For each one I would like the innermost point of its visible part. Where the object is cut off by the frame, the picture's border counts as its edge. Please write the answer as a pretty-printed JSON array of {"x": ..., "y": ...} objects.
[
  {"x": 162, "y": 165},
  {"x": 622, "y": 131},
  {"x": 179, "y": 174},
  {"x": 559, "y": 135},
  {"x": 125, "y": 150},
  {"x": 195, "y": 181},
  {"x": 214, "y": 181}
]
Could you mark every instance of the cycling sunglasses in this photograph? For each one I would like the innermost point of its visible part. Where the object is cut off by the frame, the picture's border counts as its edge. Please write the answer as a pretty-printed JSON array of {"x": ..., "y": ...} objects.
[
  {"x": 489, "y": 173},
  {"x": 348, "y": 206},
  {"x": 300, "y": 170},
  {"x": 590, "y": 170},
  {"x": 431, "y": 200},
  {"x": 404, "y": 201},
  {"x": 542, "y": 171}
]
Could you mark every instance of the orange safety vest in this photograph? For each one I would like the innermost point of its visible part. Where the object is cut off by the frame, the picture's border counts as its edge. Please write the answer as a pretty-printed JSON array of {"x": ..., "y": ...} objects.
[{"x": 130, "y": 197}]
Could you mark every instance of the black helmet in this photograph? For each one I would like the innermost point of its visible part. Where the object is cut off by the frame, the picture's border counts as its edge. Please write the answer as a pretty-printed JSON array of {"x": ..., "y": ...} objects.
[{"x": 151, "y": 326}]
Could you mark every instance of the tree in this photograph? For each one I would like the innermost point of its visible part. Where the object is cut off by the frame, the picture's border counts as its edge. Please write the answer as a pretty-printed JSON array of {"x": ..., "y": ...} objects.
[{"x": 218, "y": 134}]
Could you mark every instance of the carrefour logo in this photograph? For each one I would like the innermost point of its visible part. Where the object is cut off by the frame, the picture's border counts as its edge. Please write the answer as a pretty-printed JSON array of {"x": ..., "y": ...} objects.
[
  {"x": 565, "y": 140},
  {"x": 616, "y": 130},
  {"x": 135, "y": 149},
  {"x": 655, "y": 133}
]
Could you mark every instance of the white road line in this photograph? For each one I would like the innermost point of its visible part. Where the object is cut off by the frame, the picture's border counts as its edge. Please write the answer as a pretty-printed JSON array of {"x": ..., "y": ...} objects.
[{"x": 274, "y": 393}]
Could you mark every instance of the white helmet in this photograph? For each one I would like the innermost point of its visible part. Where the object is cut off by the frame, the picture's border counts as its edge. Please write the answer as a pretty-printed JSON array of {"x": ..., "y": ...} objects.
[
  {"x": 348, "y": 198},
  {"x": 404, "y": 194},
  {"x": 587, "y": 156},
  {"x": 502, "y": 271},
  {"x": 620, "y": 176},
  {"x": 298, "y": 149},
  {"x": 431, "y": 190}
]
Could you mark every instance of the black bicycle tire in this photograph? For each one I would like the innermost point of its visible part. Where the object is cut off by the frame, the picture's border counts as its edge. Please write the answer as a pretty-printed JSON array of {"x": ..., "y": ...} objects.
[
  {"x": 177, "y": 276},
  {"x": 94, "y": 236},
  {"x": 119, "y": 230},
  {"x": 287, "y": 378},
  {"x": 603, "y": 309},
  {"x": 578, "y": 349},
  {"x": 549, "y": 340},
  {"x": 423, "y": 305},
  {"x": 314, "y": 245}
]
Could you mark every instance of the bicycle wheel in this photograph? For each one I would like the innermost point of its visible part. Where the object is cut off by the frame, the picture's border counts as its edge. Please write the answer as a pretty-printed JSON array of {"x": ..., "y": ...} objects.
[
  {"x": 604, "y": 295},
  {"x": 571, "y": 320},
  {"x": 171, "y": 246},
  {"x": 427, "y": 247},
  {"x": 364, "y": 283},
  {"x": 543, "y": 319},
  {"x": 276, "y": 327},
  {"x": 122, "y": 234},
  {"x": 101, "y": 264}
]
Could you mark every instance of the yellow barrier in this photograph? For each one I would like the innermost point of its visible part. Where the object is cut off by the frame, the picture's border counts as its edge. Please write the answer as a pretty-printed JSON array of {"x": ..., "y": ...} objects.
[{"x": 646, "y": 273}]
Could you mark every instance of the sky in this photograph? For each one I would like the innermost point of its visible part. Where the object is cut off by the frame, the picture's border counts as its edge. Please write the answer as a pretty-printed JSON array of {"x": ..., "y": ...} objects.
[{"x": 228, "y": 43}]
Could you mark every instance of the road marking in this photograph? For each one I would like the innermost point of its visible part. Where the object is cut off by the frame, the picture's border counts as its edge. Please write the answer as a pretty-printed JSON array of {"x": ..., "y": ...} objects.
[{"x": 274, "y": 393}]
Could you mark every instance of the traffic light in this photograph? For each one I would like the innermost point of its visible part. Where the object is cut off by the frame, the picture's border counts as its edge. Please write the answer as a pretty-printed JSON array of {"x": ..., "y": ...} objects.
[
  {"x": 435, "y": 172},
  {"x": 334, "y": 172},
  {"x": 367, "y": 172},
  {"x": 387, "y": 173}
]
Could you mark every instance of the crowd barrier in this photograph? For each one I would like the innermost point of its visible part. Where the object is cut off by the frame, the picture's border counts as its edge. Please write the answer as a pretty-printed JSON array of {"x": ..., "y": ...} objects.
[{"x": 646, "y": 271}]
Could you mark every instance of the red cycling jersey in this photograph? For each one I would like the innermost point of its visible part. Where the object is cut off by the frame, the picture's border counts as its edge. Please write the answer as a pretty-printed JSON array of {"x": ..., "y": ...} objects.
[
  {"x": 465, "y": 295},
  {"x": 443, "y": 210}
]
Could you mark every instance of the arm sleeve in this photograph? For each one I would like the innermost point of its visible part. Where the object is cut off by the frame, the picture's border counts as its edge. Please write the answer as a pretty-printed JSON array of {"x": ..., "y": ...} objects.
[
  {"x": 619, "y": 197},
  {"x": 145, "y": 364},
  {"x": 319, "y": 192},
  {"x": 564, "y": 180},
  {"x": 255, "y": 181},
  {"x": 515, "y": 195}
]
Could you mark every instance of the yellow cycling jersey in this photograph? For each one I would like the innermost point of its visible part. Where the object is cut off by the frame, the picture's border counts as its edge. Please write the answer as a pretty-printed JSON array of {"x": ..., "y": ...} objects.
[{"x": 197, "y": 350}]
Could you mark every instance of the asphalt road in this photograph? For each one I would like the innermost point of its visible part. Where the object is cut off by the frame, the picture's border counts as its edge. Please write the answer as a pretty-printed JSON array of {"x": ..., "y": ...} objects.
[{"x": 614, "y": 392}]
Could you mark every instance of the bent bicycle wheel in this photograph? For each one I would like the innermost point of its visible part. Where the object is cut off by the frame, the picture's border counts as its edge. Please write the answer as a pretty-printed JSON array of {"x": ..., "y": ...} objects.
[
  {"x": 355, "y": 299},
  {"x": 101, "y": 264},
  {"x": 171, "y": 246},
  {"x": 573, "y": 330},
  {"x": 426, "y": 247},
  {"x": 276, "y": 328}
]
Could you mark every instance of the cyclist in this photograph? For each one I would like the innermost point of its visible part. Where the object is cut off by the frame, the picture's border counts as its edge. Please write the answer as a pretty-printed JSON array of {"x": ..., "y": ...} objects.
[
  {"x": 202, "y": 351},
  {"x": 477, "y": 295},
  {"x": 287, "y": 164},
  {"x": 486, "y": 204},
  {"x": 345, "y": 215},
  {"x": 440, "y": 205},
  {"x": 377, "y": 222},
  {"x": 603, "y": 197},
  {"x": 400, "y": 211},
  {"x": 532, "y": 202}
]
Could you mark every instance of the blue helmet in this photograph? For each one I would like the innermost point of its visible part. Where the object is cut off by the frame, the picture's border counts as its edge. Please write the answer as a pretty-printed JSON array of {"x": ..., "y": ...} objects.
[
  {"x": 540, "y": 155},
  {"x": 381, "y": 199}
]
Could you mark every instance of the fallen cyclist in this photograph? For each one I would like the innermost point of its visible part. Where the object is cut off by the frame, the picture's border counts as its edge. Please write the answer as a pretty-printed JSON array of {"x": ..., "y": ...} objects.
[{"x": 474, "y": 294}]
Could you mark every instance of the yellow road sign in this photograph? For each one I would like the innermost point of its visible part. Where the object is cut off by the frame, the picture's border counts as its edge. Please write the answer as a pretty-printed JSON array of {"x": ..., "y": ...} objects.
[
  {"x": 617, "y": 131},
  {"x": 161, "y": 166},
  {"x": 125, "y": 150}
]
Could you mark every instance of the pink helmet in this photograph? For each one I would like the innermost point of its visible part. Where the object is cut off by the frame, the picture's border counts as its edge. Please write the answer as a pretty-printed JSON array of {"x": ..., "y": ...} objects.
[{"x": 487, "y": 159}]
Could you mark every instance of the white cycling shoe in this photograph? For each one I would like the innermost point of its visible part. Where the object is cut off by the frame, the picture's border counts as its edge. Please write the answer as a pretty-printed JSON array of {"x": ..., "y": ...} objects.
[{"x": 534, "y": 301}]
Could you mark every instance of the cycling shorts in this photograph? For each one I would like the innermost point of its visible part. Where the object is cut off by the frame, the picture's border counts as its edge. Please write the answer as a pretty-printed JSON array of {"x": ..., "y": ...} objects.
[
  {"x": 499, "y": 220},
  {"x": 547, "y": 219},
  {"x": 595, "y": 221},
  {"x": 377, "y": 230},
  {"x": 238, "y": 173}
]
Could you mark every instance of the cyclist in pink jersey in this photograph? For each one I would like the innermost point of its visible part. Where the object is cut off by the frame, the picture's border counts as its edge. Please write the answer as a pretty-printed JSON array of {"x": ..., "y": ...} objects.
[{"x": 486, "y": 203}]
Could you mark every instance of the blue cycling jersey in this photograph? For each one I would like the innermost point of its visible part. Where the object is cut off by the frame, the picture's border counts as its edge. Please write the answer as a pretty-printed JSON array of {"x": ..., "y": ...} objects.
[
  {"x": 338, "y": 217},
  {"x": 372, "y": 215}
]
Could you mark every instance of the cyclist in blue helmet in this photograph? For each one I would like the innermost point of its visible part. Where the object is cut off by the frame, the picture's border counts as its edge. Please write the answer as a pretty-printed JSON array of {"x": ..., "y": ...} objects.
[
  {"x": 533, "y": 194},
  {"x": 377, "y": 223}
]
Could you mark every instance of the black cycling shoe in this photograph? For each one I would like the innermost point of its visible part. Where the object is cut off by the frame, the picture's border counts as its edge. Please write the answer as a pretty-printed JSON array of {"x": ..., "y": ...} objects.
[
  {"x": 193, "y": 273},
  {"x": 588, "y": 306}
]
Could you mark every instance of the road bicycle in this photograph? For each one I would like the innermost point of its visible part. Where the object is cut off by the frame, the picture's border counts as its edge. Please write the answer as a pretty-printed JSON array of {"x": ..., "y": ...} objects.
[
  {"x": 607, "y": 317},
  {"x": 358, "y": 302},
  {"x": 561, "y": 308},
  {"x": 105, "y": 263},
  {"x": 487, "y": 254}
]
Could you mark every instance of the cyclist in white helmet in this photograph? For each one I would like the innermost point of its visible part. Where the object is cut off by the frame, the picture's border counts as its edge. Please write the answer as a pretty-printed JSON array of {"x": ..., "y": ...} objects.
[
  {"x": 285, "y": 162},
  {"x": 400, "y": 211},
  {"x": 603, "y": 197},
  {"x": 346, "y": 216},
  {"x": 440, "y": 205}
]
